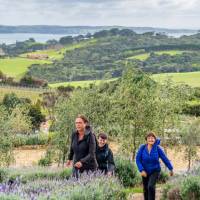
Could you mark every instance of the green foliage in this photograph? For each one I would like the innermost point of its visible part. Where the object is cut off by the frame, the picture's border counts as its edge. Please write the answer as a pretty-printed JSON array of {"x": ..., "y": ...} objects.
[
  {"x": 189, "y": 78},
  {"x": 47, "y": 160},
  {"x": 193, "y": 109},
  {"x": 127, "y": 172},
  {"x": 9, "y": 197},
  {"x": 3, "y": 175},
  {"x": 183, "y": 187},
  {"x": 35, "y": 173},
  {"x": 163, "y": 177},
  {"x": 32, "y": 139},
  {"x": 89, "y": 102},
  {"x": 10, "y": 101},
  {"x": 190, "y": 136},
  {"x": 29, "y": 81},
  {"x": 111, "y": 50},
  {"x": 10, "y": 125},
  {"x": 36, "y": 116},
  {"x": 33, "y": 112},
  {"x": 92, "y": 187},
  {"x": 190, "y": 189}
]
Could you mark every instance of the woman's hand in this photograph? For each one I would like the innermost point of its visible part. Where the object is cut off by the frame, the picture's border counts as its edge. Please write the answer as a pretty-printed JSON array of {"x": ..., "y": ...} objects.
[
  {"x": 143, "y": 174},
  {"x": 171, "y": 173},
  {"x": 69, "y": 163},
  {"x": 109, "y": 174},
  {"x": 78, "y": 165}
]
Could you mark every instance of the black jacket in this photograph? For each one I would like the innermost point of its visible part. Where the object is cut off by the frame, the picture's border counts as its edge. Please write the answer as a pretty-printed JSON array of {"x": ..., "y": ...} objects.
[
  {"x": 84, "y": 150},
  {"x": 105, "y": 159}
]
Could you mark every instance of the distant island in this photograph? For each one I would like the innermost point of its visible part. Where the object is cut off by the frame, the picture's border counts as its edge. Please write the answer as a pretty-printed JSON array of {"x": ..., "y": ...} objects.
[{"x": 50, "y": 29}]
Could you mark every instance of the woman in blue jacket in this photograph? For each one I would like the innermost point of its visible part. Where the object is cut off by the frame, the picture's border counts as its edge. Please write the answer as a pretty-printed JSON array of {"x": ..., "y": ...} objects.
[{"x": 147, "y": 160}]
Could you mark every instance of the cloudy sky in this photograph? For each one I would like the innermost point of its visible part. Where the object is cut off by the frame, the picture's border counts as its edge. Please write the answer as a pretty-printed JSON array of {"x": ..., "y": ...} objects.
[{"x": 151, "y": 13}]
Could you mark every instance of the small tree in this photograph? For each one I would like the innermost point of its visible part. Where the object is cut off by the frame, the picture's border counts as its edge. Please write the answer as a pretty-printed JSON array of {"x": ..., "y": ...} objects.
[
  {"x": 135, "y": 108},
  {"x": 10, "y": 125},
  {"x": 86, "y": 101},
  {"x": 190, "y": 135}
]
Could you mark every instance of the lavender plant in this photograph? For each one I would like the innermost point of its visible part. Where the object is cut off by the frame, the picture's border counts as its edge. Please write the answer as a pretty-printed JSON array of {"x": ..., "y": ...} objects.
[{"x": 94, "y": 186}]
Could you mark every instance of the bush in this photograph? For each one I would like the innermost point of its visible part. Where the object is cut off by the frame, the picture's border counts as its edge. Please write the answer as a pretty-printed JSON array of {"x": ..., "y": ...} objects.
[
  {"x": 190, "y": 188},
  {"x": 33, "y": 139},
  {"x": 47, "y": 160},
  {"x": 165, "y": 191},
  {"x": 3, "y": 175},
  {"x": 174, "y": 194},
  {"x": 127, "y": 172},
  {"x": 193, "y": 109},
  {"x": 163, "y": 177}
]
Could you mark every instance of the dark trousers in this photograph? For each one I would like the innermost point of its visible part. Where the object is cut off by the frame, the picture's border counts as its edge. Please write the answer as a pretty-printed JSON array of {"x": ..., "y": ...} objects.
[{"x": 149, "y": 184}]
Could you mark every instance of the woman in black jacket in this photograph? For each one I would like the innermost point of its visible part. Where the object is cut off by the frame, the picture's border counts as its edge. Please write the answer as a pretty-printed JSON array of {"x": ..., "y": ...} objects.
[
  {"x": 104, "y": 155},
  {"x": 82, "y": 148}
]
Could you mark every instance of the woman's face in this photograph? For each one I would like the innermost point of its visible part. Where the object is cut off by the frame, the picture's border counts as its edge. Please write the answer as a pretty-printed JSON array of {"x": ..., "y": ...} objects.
[
  {"x": 151, "y": 140},
  {"x": 80, "y": 125},
  {"x": 101, "y": 142}
]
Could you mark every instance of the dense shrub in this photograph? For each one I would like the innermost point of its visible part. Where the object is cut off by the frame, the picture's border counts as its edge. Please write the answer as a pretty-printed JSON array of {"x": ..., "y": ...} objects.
[
  {"x": 174, "y": 194},
  {"x": 163, "y": 177},
  {"x": 33, "y": 139},
  {"x": 190, "y": 188},
  {"x": 182, "y": 188},
  {"x": 193, "y": 109},
  {"x": 47, "y": 160},
  {"x": 127, "y": 172}
]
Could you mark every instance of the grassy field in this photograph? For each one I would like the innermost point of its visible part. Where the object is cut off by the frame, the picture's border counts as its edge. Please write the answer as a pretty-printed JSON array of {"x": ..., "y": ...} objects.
[
  {"x": 190, "y": 78},
  {"x": 79, "y": 83},
  {"x": 59, "y": 54},
  {"x": 144, "y": 56},
  {"x": 52, "y": 53},
  {"x": 16, "y": 67},
  {"x": 34, "y": 95}
]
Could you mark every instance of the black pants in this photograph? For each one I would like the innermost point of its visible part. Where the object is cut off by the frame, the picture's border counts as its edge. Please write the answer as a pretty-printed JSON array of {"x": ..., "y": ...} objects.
[{"x": 149, "y": 184}]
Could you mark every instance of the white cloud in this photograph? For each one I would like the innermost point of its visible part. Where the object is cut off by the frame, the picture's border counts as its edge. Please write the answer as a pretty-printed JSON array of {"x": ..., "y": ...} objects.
[{"x": 157, "y": 13}]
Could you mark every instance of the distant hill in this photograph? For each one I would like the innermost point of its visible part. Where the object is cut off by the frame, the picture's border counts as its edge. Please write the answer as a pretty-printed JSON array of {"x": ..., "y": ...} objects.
[{"x": 48, "y": 29}]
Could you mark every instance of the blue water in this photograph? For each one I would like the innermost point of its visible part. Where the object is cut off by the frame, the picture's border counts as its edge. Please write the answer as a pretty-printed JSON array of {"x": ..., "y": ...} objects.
[{"x": 13, "y": 37}]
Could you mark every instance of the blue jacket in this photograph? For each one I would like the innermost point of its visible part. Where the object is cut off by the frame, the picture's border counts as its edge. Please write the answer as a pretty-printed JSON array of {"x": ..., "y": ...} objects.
[{"x": 149, "y": 162}]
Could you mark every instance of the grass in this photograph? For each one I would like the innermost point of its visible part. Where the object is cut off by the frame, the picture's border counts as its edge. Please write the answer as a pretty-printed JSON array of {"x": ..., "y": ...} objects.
[
  {"x": 52, "y": 53},
  {"x": 34, "y": 95},
  {"x": 170, "y": 52},
  {"x": 17, "y": 67},
  {"x": 144, "y": 56},
  {"x": 80, "y": 83},
  {"x": 57, "y": 54},
  {"x": 190, "y": 78},
  {"x": 141, "y": 57}
]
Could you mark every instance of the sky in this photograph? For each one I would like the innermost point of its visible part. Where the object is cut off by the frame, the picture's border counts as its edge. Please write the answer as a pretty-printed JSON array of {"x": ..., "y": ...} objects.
[{"x": 134, "y": 13}]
